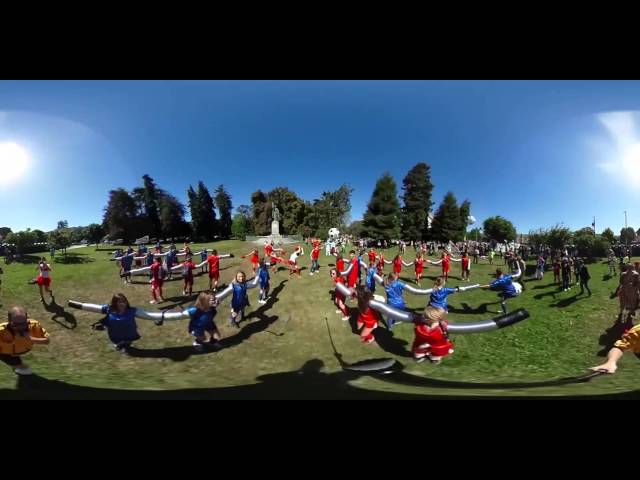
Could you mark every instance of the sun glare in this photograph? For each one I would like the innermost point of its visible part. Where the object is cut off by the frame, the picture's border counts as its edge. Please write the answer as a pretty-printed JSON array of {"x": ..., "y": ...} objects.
[{"x": 13, "y": 162}]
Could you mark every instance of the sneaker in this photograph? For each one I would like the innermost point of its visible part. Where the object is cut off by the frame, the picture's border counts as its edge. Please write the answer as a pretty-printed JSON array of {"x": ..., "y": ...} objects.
[
  {"x": 345, "y": 319},
  {"x": 420, "y": 359},
  {"x": 184, "y": 293},
  {"x": 152, "y": 302},
  {"x": 338, "y": 311},
  {"x": 198, "y": 346},
  {"x": 370, "y": 340},
  {"x": 24, "y": 370}
]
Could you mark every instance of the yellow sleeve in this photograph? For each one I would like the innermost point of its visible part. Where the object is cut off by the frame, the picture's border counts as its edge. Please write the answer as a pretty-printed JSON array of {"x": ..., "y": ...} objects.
[
  {"x": 36, "y": 330},
  {"x": 630, "y": 340}
]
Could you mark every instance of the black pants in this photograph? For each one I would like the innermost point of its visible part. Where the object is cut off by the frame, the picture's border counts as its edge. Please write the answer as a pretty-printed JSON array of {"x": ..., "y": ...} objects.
[
  {"x": 584, "y": 284},
  {"x": 565, "y": 282}
]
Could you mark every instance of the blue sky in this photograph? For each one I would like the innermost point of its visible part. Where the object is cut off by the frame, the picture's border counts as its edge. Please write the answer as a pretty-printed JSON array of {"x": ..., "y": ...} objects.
[{"x": 535, "y": 152}]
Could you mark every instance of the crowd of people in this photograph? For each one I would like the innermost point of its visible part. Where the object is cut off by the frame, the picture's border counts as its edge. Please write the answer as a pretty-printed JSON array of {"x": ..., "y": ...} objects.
[{"x": 361, "y": 272}]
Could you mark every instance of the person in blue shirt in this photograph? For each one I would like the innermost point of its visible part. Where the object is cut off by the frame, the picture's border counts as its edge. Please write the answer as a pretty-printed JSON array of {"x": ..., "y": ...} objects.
[
  {"x": 263, "y": 274},
  {"x": 169, "y": 260},
  {"x": 505, "y": 285},
  {"x": 129, "y": 250},
  {"x": 203, "y": 258},
  {"x": 120, "y": 323},
  {"x": 127, "y": 261},
  {"x": 370, "y": 280},
  {"x": 360, "y": 259},
  {"x": 240, "y": 300},
  {"x": 201, "y": 322},
  {"x": 393, "y": 287},
  {"x": 440, "y": 293},
  {"x": 148, "y": 261}
]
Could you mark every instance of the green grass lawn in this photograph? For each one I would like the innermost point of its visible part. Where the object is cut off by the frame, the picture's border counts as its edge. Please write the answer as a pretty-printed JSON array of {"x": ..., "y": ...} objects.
[{"x": 284, "y": 350}]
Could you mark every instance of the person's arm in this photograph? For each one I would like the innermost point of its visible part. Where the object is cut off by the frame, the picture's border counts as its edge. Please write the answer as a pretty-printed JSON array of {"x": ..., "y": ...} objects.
[
  {"x": 388, "y": 262},
  {"x": 407, "y": 264},
  {"x": 435, "y": 263}
]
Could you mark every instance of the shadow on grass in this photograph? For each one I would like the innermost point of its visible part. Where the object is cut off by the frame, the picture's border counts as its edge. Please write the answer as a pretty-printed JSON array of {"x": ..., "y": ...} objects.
[
  {"x": 565, "y": 302},
  {"x": 483, "y": 308},
  {"x": 307, "y": 382},
  {"x": 180, "y": 354},
  {"x": 611, "y": 335},
  {"x": 68, "y": 320},
  {"x": 73, "y": 258}
]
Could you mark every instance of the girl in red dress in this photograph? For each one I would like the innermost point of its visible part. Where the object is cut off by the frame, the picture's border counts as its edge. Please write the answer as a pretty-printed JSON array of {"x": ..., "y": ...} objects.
[
  {"x": 368, "y": 318},
  {"x": 255, "y": 259},
  {"x": 339, "y": 297},
  {"x": 431, "y": 339}
]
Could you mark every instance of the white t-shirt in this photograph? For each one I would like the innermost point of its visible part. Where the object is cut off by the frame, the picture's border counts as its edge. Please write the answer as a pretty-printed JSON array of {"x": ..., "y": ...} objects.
[{"x": 294, "y": 256}]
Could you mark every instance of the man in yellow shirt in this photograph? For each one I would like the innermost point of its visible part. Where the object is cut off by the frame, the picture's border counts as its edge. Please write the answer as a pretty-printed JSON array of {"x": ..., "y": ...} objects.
[{"x": 17, "y": 337}]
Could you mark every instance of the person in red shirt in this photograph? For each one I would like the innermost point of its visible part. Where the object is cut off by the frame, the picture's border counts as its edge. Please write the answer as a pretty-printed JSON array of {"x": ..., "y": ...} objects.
[
  {"x": 213, "y": 262},
  {"x": 315, "y": 255},
  {"x": 352, "y": 278},
  {"x": 367, "y": 317},
  {"x": 372, "y": 255},
  {"x": 268, "y": 249},
  {"x": 255, "y": 260},
  {"x": 466, "y": 267},
  {"x": 339, "y": 297},
  {"x": 445, "y": 261},
  {"x": 339, "y": 262},
  {"x": 380, "y": 264},
  {"x": 418, "y": 265},
  {"x": 431, "y": 339},
  {"x": 187, "y": 274},
  {"x": 156, "y": 280},
  {"x": 187, "y": 249}
]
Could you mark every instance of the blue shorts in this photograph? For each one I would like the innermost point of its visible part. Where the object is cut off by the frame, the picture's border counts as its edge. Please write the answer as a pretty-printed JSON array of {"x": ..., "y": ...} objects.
[{"x": 197, "y": 329}]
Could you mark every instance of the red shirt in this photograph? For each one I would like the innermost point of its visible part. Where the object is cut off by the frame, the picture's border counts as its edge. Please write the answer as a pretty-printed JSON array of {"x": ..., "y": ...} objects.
[
  {"x": 155, "y": 271},
  {"x": 418, "y": 263},
  {"x": 353, "y": 274},
  {"x": 339, "y": 295},
  {"x": 397, "y": 265},
  {"x": 435, "y": 337},
  {"x": 372, "y": 256},
  {"x": 268, "y": 249},
  {"x": 315, "y": 253},
  {"x": 254, "y": 257},
  {"x": 465, "y": 263},
  {"x": 381, "y": 261},
  {"x": 446, "y": 262},
  {"x": 187, "y": 269},
  {"x": 214, "y": 263},
  {"x": 370, "y": 318},
  {"x": 340, "y": 265}
]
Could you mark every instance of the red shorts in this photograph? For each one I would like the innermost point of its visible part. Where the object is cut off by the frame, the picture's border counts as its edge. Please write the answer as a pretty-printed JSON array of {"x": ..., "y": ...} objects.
[
  {"x": 255, "y": 259},
  {"x": 156, "y": 283},
  {"x": 214, "y": 274},
  {"x": 352, "y": 282},
  {"x": 42, "y": 281},
  {"x": 292, "y": 263},
  {"x": 188, "y": 280},
  {"x": 418, "y": 271}
]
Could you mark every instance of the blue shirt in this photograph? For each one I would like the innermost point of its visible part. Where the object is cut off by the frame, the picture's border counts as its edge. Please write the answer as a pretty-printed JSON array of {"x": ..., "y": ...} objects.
[
  {"x": 439, "y": 297},
  {"x": 149, "y": 260},
  {"x": 239, "y": 299},
  {"x": 169, "y": 258},
  {"x": 200, "y": 321},
  {"x": 263, "y": 274},
  {"x": 126, "y": 261},
  {"x": 371, "y": 281},
  {"x": 203, "y": 255},
  {"x": 121, "y": 327},
  {"x": 394, "y": 294},
  {"x": 505, "y": 284},
  {"x": 143, "y": 249}
]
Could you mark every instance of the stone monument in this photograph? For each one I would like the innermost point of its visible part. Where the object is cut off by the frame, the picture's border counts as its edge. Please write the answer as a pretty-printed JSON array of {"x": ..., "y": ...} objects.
[{"x": 275, "y": 224}]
